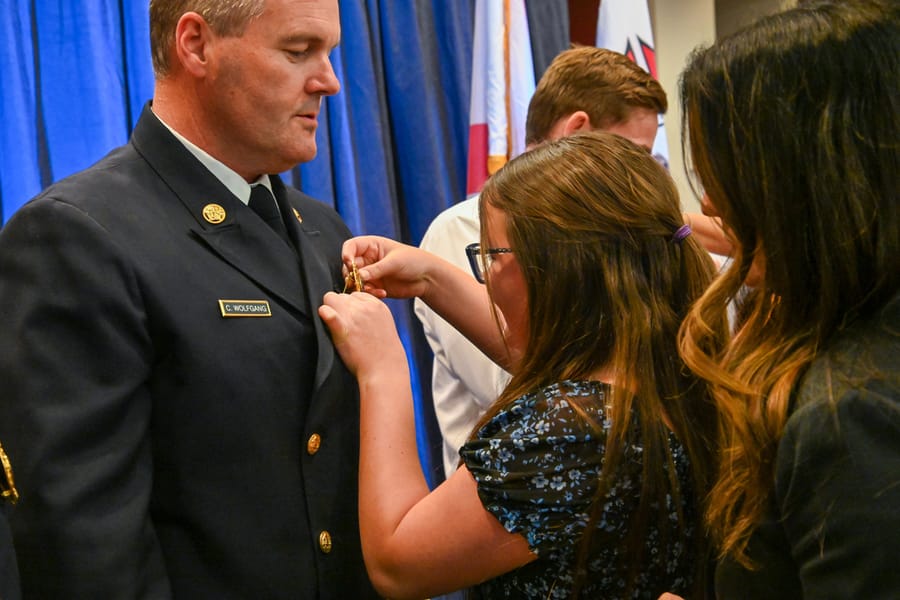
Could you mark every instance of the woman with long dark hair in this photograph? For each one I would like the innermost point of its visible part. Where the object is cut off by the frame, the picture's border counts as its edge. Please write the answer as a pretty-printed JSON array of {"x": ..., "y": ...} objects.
[{"x": 793, "y": 126}]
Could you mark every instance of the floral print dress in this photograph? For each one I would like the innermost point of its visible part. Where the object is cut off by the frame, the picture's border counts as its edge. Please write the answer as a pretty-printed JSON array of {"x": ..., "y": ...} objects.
[{"x": 536, "y": 464}]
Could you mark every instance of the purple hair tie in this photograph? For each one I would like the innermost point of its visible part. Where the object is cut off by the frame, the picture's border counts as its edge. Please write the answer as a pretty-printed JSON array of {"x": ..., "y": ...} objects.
[{"x": 681, "y": 233}]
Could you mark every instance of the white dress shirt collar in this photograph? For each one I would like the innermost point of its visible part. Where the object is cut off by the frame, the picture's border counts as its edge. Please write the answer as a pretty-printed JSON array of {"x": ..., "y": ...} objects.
[{"x": 229, "y": 178}]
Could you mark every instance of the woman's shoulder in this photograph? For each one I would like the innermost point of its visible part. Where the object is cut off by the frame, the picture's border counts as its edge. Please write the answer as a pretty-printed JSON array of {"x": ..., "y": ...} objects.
[
  {"x": 847, "y": 406},
  {"x": 837, "y": 463},
  {"x": 552, "y": 407},
  {"x": 541, "y": 432},
  {"x": 860, "y": 365}
]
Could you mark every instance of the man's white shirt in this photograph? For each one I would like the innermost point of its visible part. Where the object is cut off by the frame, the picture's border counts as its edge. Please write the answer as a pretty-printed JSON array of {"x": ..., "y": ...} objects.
[{"x": 464, "y": 382}]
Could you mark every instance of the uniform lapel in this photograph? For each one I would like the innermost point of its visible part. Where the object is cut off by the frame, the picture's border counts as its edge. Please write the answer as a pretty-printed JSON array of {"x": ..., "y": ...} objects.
[
  {"x": 234, "y": 233},
  {"x": 315, "y": 270}
]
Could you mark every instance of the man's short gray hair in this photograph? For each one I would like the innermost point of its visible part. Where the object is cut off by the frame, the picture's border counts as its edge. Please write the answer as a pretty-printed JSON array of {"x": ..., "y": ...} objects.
[{"x": 225, "y": 17}]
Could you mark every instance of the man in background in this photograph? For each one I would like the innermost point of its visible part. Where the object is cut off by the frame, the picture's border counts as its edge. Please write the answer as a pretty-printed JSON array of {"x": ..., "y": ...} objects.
[
  {"x": 180, "y": 423},
  {"x": 584, "y": 88}
]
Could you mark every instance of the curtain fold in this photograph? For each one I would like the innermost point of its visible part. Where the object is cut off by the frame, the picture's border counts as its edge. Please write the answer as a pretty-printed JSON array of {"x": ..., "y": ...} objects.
[
  {"x": 138, "y": 68},
  {"x": 20, "y": 165},
  {"x": 80, "y": 82},
  {"x": 426, "y": 52},
  {"x": 426, "y": 137}
]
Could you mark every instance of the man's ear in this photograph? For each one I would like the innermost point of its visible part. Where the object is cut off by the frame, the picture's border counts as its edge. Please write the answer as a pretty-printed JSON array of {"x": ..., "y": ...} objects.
[
  {"x": 192, "y": 37},
  {"x": 577, "y": 121}
]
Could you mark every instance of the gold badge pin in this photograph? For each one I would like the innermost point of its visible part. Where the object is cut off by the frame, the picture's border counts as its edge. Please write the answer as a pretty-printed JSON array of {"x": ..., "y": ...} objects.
[
  {"x": 7, "y": 484},
  {"x": 353, "y": 282},
  {"x": 297, "y": 214},
  {"x": 214, "y": 213}
]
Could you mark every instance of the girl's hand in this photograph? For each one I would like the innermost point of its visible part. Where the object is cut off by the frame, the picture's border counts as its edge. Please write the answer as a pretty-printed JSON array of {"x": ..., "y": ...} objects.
[
  {"x": 389, "y": 268},
  {"x": 363, "y": 331}
]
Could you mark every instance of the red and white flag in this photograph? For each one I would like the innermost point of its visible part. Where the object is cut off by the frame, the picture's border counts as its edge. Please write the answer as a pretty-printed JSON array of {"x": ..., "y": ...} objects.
[
  {"x": 624, "y": 26},
  {"x": 502, "y": 86}
]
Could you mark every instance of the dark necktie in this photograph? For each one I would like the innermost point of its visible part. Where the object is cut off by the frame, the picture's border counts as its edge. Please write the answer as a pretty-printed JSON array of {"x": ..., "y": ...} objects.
[{"x": 263, "y": 203}]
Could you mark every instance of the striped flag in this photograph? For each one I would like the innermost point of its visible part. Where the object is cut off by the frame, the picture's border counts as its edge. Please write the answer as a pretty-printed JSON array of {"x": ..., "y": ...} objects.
[
  {"x": 624, "y": 26},
  {"x": 502, "y": 86}
]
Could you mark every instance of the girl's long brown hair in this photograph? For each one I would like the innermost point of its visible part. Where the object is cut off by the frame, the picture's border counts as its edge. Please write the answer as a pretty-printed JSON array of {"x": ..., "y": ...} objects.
[{"x": 591, "y": 219}]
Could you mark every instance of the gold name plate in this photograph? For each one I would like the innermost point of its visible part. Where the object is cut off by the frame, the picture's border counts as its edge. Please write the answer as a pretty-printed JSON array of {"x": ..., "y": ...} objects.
[{"x": 245, "y": 308}]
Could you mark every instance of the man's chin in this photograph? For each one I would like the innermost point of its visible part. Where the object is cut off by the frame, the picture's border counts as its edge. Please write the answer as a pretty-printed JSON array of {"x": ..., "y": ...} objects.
[{"x": 301, "y": 155}]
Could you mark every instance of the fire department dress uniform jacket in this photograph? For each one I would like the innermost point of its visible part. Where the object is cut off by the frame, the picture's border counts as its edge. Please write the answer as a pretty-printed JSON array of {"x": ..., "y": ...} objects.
[{"x": 161, "y": 448}]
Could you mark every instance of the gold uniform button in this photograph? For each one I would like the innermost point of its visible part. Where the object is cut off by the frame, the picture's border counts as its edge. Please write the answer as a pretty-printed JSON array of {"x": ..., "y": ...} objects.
[
  {"x": 313, "y": 443},
  {"x": 325, "y": 542}
]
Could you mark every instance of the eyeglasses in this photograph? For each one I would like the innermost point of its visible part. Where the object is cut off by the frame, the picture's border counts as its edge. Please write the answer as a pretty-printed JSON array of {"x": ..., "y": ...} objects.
[{"x": 481, "y": 261}]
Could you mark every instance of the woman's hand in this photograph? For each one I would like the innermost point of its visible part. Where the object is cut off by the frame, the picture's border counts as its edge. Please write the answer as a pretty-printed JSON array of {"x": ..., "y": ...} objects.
[
  {"x": 363, "y": 331},
  {"x": 392, "y": 269},
  {"x": 389, "y": 268}
]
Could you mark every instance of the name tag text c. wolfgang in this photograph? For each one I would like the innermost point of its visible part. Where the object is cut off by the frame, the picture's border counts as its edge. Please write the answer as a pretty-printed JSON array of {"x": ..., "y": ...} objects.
[{"x": 245, "y": 308}]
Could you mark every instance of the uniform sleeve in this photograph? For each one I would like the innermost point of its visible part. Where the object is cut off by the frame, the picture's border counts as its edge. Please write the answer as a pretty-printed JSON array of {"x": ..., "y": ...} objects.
[
  {"x": 838, "y": 486},
  {"x": 74, "y": 413},
  {"x": 537, "y": 473}
]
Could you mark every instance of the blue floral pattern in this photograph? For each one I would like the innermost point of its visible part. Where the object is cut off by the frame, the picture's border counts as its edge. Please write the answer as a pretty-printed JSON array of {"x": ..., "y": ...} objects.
[{"x": 536, "y": 464}]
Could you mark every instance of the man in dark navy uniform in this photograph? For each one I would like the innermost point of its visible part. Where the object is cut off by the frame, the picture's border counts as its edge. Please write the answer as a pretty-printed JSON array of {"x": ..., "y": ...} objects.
[{"x": 180, "y": 424}]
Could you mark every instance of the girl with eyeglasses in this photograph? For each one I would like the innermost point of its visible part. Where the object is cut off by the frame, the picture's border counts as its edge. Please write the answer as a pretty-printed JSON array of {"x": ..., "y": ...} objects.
[{"x": 582, "y": 480}]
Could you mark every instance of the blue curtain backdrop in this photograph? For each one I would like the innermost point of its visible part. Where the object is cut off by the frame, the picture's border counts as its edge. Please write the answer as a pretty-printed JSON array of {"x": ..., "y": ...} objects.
[{"x": 74, "y": 76}]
